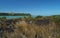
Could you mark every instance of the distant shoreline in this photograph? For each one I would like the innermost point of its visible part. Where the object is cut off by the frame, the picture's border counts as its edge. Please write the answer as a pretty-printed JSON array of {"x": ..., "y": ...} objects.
[{"x": 14, "y": 14}]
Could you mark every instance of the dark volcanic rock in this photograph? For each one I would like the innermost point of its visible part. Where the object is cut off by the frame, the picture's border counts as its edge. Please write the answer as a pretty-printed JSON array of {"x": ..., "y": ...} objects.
[{"x": 43, "y": 22}]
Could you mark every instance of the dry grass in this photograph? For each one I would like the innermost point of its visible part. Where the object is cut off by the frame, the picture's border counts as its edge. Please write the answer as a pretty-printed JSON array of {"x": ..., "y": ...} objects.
[{"x": 25, "y": 30}]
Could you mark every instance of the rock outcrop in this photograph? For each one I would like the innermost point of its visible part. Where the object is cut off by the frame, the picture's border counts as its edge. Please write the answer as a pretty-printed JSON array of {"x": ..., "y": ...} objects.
[{"x": 44, "y": 28}]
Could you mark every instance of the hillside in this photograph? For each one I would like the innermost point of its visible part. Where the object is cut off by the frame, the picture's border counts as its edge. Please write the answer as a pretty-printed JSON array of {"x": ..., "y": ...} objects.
[
  {"x": 39, "y": 27},
  {"x": 14, "y": 14}
]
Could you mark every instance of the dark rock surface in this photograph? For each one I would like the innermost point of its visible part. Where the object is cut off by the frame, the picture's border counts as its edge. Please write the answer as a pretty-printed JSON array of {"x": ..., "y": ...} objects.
[{"x": 43, "y": 21}]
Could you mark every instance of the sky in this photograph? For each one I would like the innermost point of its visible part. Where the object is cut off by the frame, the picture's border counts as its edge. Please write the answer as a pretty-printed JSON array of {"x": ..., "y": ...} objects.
[{"x": 34, "y": 7}]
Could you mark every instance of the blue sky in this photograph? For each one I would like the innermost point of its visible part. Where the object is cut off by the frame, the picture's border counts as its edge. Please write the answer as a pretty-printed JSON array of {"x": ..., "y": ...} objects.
[{"x": 34, "y": 7}]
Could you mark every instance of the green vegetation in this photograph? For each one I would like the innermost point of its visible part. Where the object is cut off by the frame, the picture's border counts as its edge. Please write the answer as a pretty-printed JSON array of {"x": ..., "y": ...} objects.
[
  {"x": 14, "y": 14},
  {"x": 28, "y": 28}
]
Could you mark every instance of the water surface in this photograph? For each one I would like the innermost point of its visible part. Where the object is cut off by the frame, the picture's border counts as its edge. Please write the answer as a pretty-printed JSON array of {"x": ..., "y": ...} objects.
[{"x": 11, "y": 17}]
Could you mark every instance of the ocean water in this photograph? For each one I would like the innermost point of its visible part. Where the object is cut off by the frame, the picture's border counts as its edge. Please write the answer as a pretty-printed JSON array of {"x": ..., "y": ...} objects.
[{"x": 11, "y": 17}]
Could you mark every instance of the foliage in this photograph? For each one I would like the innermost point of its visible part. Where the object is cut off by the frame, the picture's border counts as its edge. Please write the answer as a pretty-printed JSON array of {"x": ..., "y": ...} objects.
[
  {"x": 14, "y": 14},
  {"x": 33, "y": 30}
]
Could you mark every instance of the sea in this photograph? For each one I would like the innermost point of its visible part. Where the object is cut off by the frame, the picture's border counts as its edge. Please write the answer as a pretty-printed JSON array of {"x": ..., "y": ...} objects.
[{"x": 11, "y": 17}]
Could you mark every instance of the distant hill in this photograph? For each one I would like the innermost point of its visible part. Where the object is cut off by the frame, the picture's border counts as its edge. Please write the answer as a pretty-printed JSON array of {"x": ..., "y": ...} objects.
[{"x": 15, "y": 14}]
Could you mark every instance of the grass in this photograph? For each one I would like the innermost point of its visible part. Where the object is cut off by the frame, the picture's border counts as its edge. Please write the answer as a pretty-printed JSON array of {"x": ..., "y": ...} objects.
[{"x": 26, "y": 30}]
